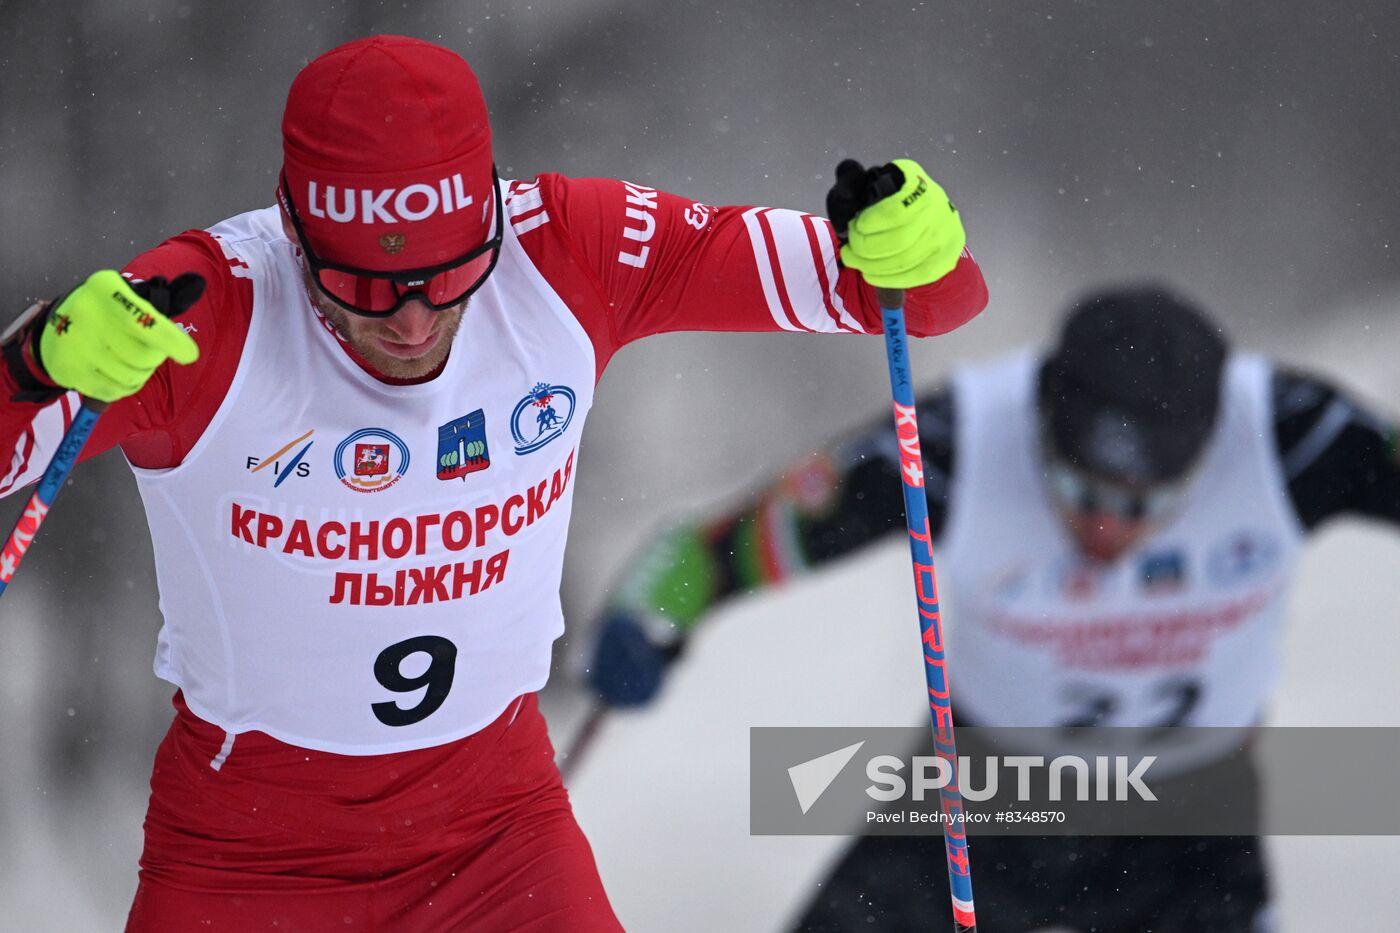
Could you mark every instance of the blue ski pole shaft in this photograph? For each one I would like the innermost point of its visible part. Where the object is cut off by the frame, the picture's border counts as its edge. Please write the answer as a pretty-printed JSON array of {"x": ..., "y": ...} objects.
[
  {"x": 911, "y": 468},
  {"x": 37, "y": 508}
]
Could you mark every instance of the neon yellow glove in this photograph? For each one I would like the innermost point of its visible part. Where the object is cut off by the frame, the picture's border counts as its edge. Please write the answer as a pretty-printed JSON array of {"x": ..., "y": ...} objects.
[
  {"x": 107, "y": 337},
  {"x": 904, "y": 239}
]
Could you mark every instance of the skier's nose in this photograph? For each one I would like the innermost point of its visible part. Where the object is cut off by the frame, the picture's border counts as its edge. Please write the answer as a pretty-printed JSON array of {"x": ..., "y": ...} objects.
[
  {"x": 413, "y": 323},
  {"x": 1104, "y": 536}
]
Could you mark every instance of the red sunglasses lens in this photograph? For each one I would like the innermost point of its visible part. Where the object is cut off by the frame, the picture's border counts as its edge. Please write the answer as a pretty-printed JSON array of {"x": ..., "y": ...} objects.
[
  {"x": 359, "y": 291},
  {"x": 379, "y": 296},
  {"x": 449, "y": 286}
]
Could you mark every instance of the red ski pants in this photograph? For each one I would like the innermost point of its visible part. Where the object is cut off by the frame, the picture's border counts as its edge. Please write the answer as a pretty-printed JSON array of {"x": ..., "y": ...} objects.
[{"x": 475, "y": 835}]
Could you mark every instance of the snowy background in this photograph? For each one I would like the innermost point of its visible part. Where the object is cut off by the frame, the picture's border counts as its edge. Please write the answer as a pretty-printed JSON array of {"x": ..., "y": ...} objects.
[{"x": 1245, "y": 151}]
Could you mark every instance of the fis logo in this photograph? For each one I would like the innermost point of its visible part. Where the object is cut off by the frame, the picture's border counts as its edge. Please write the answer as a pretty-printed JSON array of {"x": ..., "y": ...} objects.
[
  {"x": 293, "y": 466},
  {"x": 387, "y": 205},
  {"x": 541, "y": 416},
  {"x": 462, "y": 446}
]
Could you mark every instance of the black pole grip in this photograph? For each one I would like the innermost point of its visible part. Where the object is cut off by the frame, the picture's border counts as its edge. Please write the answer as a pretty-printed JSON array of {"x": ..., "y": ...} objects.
[{"x": 858, "y": 187}]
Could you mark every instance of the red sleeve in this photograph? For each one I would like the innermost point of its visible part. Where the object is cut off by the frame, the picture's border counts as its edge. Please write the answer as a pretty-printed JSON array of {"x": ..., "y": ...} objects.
[
  {"x": 633, "y": 261},
  {"x": 157, "y": 426}
]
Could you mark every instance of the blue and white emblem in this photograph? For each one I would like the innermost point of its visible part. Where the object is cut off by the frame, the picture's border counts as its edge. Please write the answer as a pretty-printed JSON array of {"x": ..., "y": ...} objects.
[
  {"x": 462, "y": 446},
  {"x": 377, "y": 459},
  {"x": 541, "y": 416},
  {"x": 1242, "y": 557}
]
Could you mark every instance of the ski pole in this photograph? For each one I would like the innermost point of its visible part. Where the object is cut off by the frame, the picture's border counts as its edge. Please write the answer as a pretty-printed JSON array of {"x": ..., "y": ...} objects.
[
  {"x": 911, "y": 469},
  {"x": 170, "y": 298},
  {"x": 582, "y": 740},
  {"x": 599, "y": 710},
  {"x": 50, "y": 483}
]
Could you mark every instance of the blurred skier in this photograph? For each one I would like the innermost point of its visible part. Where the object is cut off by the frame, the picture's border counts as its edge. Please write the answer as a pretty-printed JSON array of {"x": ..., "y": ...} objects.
[
  {"x": 357, "y": 744},
  {"x": 1119, "y": 522}
]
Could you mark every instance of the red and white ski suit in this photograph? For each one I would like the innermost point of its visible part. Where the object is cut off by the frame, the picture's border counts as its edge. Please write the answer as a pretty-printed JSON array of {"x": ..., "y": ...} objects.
[{"x": 300, "y": 787}]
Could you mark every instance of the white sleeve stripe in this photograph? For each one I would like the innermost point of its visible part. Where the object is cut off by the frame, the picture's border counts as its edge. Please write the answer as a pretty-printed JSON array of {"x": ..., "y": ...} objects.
[
  {"x": 37, "y": 445},
  {"x": 830, "y": 271},
  {"x": 238, "y": 267},
  {"x": 802, "y": 272},
  {"x": 522, "y": 202},
  {"x": 819, "y": 265},
  {"x": 19, "y": 461},
  {"x": 793, "y": 267},
  {"x": 804, "y": 293},
  {"x": 531, "y": 222},
  {"x": 758, "y": 239},
  {"x": 69, "y": 401}
]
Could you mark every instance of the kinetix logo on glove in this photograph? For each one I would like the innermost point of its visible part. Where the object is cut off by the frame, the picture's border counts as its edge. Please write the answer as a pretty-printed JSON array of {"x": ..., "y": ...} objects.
[
  {"x": 917, "y": 193},
  {"x": 142, "y": 317}
]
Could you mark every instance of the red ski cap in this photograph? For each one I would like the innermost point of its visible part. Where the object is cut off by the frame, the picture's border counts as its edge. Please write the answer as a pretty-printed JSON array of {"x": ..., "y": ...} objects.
[{"x": 387, "y": 155}]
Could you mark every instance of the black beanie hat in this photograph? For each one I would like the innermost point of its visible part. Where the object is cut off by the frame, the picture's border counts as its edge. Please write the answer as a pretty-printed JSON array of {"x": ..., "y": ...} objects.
[{"x": 1132, "y": 391}]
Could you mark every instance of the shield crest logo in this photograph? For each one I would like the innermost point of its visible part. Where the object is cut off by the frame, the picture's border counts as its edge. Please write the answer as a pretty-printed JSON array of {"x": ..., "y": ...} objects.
[{"x": 371, "y": 459}]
